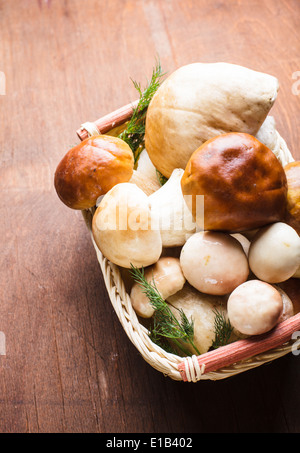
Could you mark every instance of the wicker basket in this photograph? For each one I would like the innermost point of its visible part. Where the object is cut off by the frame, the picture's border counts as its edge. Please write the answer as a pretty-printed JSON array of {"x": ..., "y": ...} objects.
[{"x": 221, "y": 363}]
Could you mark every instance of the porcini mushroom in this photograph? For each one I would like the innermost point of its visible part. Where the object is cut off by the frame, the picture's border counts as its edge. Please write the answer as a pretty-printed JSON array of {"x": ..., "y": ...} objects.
[
  {"x": 199, "y": 101},
  {"x": 168, "y": 278},
  {"x": 274, "y": 254},
  {"x": 269, "y": 136},
  {"x": 176, "y": 222},
  {"x": 237, "y": 175},
  {"x": 123, "y": 227},
  {"x": 297, "y": 273},
  {"x": 91, "y": 169},
  {"x": 287, "y": 305},
  {"x": 292, "y": 171},
  {"x": 145, "y": 166},
  {"x": 202, "y": 309},
  {"x": 213, "y": 262},
  {"x": 254, "y": 307}
]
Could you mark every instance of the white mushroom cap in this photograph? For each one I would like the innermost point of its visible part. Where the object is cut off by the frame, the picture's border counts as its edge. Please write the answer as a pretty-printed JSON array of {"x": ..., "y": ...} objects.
[
  {"x": 213, "y": 262},
  {"x": 254, "y": 307},
  {"x": 168, "y": 279},
  {"x": 274, "y": 254},
  {"x": 123, "y": 227}
]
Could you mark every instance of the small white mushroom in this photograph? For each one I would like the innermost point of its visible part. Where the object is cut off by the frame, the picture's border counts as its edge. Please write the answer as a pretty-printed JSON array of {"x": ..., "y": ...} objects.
[
  {"x": 175, "y": 219},
  {"x": 168, "y": 278},
  {"x": 213, "y": 262},
  {"x": 254, "y": 307},
  {"x": 274, "y": 254},
  {"x": 123, "y": 227}
]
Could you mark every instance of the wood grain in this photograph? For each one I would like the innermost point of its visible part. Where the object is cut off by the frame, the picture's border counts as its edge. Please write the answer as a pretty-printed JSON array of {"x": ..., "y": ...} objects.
[{"x": 69, "y": 366}]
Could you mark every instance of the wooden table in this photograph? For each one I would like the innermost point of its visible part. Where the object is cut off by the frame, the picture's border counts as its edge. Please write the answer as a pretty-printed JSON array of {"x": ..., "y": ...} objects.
[{"x": 69, "y": 366}]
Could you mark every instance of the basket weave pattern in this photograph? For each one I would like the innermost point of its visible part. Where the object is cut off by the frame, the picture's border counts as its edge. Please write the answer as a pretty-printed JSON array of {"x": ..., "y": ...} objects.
[{"x": 173, "y": 366}]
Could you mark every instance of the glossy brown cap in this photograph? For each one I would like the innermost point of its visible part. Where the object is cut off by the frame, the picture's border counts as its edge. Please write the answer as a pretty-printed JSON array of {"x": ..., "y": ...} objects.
[
  {"x": 292, "y": 172},
  {"x": 91, "y": 169},
  {"x": 243, "y": 183}
]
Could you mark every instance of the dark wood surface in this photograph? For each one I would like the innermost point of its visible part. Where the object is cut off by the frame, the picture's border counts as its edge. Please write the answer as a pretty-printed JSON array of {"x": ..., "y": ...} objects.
[{"x": 69, "y": 366}]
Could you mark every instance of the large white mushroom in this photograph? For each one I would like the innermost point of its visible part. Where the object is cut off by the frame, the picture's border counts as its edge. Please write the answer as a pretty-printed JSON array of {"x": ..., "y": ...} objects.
[
  {"x": 274, "y": 254},
  {"x": 123, "y": 227},
  {"x": 200, "y": 101},
  {"x": 213, "y": 262}
]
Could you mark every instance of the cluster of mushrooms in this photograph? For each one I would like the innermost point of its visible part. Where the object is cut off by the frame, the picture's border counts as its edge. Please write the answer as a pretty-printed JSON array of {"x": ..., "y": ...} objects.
[{"x": 223, "y": 231}]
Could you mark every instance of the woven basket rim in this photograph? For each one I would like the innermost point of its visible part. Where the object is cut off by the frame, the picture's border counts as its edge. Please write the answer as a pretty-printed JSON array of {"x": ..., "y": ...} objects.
[{"x": 159, "y": 359}]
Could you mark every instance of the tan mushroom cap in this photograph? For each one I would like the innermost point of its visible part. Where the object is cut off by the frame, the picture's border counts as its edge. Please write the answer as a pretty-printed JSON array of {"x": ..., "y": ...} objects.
[
  {"x": 199, "y": 101},
  {"x": 274, "y": 254},
  {"x": 168, "y": 279},
  {"x": 123, "y": 227},
  {"x": 214, "y": 263},
  {"x": 254, "y": 307}
]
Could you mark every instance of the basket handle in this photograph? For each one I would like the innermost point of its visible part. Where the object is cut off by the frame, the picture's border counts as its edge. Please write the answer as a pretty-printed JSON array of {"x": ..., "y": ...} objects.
[
  {"x": 239, "y": 350},
  {"x": 110, "y": 121}
]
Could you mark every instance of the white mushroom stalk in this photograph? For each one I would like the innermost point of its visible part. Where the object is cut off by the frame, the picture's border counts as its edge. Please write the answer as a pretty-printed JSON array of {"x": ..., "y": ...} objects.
[
  {"x": 175, "y": 220},
  {"x": 145, "y": 166}
]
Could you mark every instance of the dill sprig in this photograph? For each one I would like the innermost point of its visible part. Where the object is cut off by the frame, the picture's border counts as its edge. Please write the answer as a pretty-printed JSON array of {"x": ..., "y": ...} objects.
[
  {"x": 166, "y": 326},
  {"x": 134, "y": 134},
  {"x": 223, "y": 330}
]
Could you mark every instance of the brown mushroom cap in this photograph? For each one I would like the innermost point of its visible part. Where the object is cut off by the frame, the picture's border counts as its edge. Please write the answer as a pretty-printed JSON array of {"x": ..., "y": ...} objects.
[
  {"x": 214, "y": 263},
  {"x": 254, "y": 307},
  {"x": 243, "y": 183},
  {"x": 292, "y": 171},
  {"x": 91, "y": 169}
]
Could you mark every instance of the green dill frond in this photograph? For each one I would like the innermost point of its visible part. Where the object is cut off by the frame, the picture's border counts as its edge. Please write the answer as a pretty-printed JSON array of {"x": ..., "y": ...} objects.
[
  {"x": 223, "y": 330},
  {"x": 134, "y": 134},
  {"x": 166, "y": 325},
  {"x": 161, "y": 178}
]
